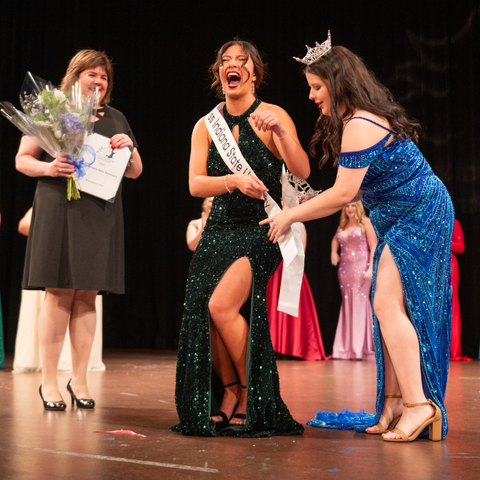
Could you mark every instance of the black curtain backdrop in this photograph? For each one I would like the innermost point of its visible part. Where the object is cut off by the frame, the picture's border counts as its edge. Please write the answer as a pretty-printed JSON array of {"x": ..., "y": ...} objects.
[{"x": 425, "y": 51}]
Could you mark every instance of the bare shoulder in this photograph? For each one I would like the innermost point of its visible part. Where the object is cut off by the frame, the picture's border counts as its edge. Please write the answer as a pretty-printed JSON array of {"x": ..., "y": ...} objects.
[
  {"x": 279, "y": 111},
  {"x": 200, "y": 131},
  {"x": 360, "y": 134}
]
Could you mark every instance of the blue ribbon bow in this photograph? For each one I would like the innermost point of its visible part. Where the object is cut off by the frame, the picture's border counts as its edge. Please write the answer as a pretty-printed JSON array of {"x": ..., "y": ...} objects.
[{"x": 80, "y": 164}]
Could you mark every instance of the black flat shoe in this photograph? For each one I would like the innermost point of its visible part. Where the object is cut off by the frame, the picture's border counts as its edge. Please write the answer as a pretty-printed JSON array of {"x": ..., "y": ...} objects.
[
  {"x": 58, "y": 406},
  {"x": 81, "y": 402}
]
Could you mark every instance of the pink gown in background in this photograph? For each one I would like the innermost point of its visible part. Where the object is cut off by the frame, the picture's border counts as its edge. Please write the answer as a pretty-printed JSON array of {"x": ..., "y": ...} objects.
[
  {"x": 354, "y": 335},
  {"x": 458, "y": 246},
  {"x": 295, "y": 336}
]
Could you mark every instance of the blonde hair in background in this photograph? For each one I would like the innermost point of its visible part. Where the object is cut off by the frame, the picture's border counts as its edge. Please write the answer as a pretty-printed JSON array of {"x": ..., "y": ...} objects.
[
  {"x": 359, "y": 215},
  {"x": 84, "y": 60}
]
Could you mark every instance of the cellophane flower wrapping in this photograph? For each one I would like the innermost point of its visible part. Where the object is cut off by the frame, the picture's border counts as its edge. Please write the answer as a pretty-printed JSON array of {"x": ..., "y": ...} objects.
[{"x": 59, "y": 122}]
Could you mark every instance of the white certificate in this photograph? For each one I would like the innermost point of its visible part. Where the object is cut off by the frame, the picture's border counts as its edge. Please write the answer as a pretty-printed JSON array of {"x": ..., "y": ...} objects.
[{"x": 99, "y": 168}]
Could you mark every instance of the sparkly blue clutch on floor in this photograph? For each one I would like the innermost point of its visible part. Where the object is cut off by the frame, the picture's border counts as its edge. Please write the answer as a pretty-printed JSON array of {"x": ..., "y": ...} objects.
[{"x": 344, "y": 420}]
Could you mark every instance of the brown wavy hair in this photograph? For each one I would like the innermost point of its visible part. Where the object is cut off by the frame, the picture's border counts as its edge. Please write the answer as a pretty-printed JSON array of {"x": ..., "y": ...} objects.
[
  {"x": 359, "y": 215},
  {"x": 350, "y": 82},
  {"x": 84, "y": 60},
  {"x": 250, "y": 49}
]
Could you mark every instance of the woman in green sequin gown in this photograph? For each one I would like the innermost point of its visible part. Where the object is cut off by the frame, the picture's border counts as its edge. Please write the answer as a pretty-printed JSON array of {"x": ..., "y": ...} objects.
[{"x": 233, "y": 261}]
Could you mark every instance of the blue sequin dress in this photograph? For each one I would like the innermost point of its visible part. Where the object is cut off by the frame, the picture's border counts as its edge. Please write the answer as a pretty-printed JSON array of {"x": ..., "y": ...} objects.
[
  {"x": 411, "y": 212},
  {"x": 232, "y": 232}
]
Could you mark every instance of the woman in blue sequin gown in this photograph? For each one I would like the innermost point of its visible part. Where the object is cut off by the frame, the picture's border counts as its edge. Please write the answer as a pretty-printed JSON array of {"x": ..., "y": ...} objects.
[
  {"x": 234, "y": 260},
  {"x": 368, "y": 133}
]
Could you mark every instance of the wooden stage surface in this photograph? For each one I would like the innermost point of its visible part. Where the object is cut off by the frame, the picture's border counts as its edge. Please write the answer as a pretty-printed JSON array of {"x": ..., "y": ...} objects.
[{"x": 137, "y": 393}]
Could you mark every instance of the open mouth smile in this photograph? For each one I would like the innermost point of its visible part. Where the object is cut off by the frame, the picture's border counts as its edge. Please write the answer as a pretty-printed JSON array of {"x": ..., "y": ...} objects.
[{"x": 233, "y": 79}]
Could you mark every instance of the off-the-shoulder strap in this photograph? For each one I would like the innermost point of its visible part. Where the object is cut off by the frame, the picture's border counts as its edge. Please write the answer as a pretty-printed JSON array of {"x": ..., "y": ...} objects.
[
  {"x": 363, "y": 158},
  {"x": 371, "y": 121}
]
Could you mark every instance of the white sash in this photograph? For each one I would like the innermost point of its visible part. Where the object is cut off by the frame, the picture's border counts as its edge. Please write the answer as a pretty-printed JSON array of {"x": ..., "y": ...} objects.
[{"x": 291, "y": 241}]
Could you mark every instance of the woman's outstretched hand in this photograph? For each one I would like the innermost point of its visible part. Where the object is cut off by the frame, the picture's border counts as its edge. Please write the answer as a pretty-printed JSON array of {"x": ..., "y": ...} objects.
[{"x": 280, "y": 223}]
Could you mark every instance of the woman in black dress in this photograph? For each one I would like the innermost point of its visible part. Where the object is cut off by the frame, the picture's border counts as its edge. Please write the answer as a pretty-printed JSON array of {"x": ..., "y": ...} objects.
[{"x": 75, "y": 248}]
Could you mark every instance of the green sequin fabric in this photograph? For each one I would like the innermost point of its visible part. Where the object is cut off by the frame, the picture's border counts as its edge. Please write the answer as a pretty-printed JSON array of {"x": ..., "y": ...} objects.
[{"x": 232, "y": 232}]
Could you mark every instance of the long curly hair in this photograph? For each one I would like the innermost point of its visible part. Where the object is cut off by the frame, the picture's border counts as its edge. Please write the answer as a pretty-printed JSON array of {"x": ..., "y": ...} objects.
[
  {"x": 349, "y": 81},
  {"x": 359, "y": 216},
  {"x": 250, "y": 49}
]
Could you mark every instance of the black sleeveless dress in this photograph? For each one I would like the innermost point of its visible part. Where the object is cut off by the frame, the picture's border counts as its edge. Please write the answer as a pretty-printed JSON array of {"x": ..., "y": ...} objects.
[
  {"x": 77, "y": 244},
  {"x": 232, "y": 232}
]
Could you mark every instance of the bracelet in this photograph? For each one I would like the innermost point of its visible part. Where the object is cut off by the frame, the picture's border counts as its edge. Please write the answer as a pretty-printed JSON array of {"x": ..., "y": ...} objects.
[
  {"x": 130, "y": 162},
  {"x": 285, "y": 136},
  {"x": 226, "y": 184}
]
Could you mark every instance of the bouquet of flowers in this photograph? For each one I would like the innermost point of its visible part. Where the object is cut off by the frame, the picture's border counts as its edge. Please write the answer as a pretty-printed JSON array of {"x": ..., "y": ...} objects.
[{"x": 58, "y": 122}]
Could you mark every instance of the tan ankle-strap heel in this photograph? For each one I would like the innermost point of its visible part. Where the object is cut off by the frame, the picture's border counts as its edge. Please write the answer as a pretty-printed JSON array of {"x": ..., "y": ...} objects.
[
  {"x": 434, "y": 424},
  {"x": 393, "y": 423}
]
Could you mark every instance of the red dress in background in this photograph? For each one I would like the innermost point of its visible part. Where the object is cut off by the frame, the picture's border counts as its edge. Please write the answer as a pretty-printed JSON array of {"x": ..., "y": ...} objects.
[
  {"x": 295, "y": 336},
  {"x": 458, "y": 246}
]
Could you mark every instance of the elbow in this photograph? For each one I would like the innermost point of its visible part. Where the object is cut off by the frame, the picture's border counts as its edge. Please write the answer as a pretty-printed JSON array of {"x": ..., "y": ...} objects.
[
  {"x": 344, "y": 198},
  {"x": 301, "y": 171},
  {"x": 137, "y": 172},
  {"x": 194, "y": 189},
  {"x": 19, "y": 163},
  {"x": 304, "y": 172}
]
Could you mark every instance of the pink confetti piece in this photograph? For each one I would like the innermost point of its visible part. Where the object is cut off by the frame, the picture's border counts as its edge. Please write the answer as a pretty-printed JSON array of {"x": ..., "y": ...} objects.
[{"x": 120, "y": 432}]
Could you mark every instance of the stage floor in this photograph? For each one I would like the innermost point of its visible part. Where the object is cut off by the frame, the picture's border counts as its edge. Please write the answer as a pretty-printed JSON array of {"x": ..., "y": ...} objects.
[{"x": 137, "y": 393}]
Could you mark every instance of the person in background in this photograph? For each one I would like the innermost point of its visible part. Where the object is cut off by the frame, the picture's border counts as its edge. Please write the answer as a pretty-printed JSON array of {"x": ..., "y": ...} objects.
[
  {"x": 2, "y": 351},
  {"x": 357, "y": 241},
  {"x": 195, "y": 227},
  {"x": 300, "y": 336},
  {"x": 458, "y": 246}
]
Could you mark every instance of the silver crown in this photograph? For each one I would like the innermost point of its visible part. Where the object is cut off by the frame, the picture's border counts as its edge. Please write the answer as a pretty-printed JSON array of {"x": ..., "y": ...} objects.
[{"x": 313, "y": 54}]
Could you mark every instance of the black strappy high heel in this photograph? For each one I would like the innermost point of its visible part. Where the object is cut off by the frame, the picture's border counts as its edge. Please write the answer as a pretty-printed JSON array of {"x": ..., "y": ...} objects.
[
  {"x": 240, "y": 416},
  {"x": 225, "y": 420},
  {"x": 81, "y": 402}
]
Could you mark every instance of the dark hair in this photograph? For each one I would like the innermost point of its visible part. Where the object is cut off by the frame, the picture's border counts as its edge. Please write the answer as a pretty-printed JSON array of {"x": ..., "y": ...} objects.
[
  {"x": 84, "y": 60},
  {"x": 250, "y": 49},
  {"x": 350, "y": 82}
]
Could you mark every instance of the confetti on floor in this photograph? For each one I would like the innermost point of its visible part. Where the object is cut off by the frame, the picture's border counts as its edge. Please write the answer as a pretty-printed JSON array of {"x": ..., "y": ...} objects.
[{"x": 120, "y": 432}]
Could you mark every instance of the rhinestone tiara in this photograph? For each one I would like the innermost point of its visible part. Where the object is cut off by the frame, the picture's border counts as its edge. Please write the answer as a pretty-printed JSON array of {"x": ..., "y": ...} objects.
[{"x": 313, "y": 54}]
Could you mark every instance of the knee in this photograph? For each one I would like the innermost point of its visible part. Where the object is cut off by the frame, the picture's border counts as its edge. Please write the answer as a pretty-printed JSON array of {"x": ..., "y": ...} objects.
[
  {"x": 382, "y": 307},
  {"x": 217, "y": 308},
  {"x": 87, "y": 297},
  {"x": 59, "y": 297}
]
